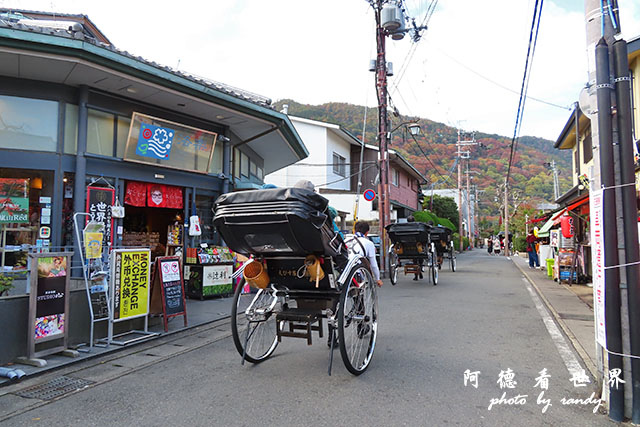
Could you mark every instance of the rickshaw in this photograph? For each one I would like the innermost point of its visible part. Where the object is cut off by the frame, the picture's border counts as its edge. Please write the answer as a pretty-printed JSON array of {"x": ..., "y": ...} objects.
[
  {"x": 441, "y": 238},
  {"x": 411, "y": 249},
  {"x": 299, "y": 276}
]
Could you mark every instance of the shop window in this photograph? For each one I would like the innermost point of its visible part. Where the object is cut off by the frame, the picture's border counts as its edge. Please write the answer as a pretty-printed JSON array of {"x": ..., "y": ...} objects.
[
  {"x": 339, "y": 165},
  {"x": 253, "y": 168},
  {"x": 260, "y": 174},
  {"x": 28, "y": 124},
  {"x": 67, "y": 211},
  {"x": 204, "y": 210},
  {"x": 100, "y": 133},
  {"x": 244, "y": 165},
  {"x": 124, "y": 123},
  {"x": 217, "y": 161},
  {"x": 31, "y": 196},
  {"x": 236, "y": 163},
  {"x": 70, "y": 128}
]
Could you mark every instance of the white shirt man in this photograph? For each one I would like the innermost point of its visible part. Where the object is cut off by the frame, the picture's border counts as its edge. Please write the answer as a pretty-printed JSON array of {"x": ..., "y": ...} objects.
[{"x": 359, "y": 242}]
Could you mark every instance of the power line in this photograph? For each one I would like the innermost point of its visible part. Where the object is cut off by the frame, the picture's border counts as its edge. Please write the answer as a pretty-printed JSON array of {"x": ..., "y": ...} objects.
[{"x": 535, "y": 24}]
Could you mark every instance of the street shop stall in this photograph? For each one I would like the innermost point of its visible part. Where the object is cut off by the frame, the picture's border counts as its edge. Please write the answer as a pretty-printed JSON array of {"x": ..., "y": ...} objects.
[{"x": 208, "y": 271}]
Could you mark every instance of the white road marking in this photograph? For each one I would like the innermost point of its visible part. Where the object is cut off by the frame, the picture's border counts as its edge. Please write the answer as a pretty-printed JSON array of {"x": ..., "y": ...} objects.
[{"x": 567, "y": 355}]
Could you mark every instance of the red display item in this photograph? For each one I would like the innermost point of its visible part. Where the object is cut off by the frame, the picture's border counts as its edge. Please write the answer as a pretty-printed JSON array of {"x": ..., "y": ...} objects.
[
  {"x": 566, "y": 225},
  {"x": 156, "y": 195},
  {"x": 136, "y": 194},
  {"x": 174, "y": 197}
]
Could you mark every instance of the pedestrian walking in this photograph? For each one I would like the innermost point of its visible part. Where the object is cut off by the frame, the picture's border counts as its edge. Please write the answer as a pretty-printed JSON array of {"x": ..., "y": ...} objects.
[
  {"x": 496, "y": 245},
  {"x": 534, "y": 261},
  {"x": 490, "y": 245}
]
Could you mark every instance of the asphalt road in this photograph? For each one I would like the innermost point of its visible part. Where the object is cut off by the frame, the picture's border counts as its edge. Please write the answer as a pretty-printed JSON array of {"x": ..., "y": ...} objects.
[{"x": 480, "y": 318}]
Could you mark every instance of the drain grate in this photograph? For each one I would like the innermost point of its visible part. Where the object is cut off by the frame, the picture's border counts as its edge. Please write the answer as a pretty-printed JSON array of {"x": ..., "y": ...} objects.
[{"x": 55, "y": 388}]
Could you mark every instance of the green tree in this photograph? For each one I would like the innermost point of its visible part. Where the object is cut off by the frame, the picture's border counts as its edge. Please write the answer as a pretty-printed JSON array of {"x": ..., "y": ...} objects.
[{"x": 444, "y": 207}]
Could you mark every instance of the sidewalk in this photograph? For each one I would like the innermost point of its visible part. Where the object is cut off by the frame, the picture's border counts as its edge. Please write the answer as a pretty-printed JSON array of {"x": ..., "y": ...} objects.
[
  {"x": 198, "y": 313},
  {"x": 571, "y": 307}
]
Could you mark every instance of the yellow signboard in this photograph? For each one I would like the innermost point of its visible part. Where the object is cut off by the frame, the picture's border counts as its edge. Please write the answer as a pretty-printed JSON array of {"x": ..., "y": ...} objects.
[{"x": 131, "y": 291}]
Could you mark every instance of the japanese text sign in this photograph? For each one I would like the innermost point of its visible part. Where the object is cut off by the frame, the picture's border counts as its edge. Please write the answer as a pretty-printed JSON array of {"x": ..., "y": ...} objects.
[{"x": 131, "y": 283}]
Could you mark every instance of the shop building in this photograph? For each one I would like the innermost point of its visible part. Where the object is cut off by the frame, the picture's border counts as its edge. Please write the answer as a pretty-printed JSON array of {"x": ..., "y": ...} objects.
[{"x": 83, "y": 124}]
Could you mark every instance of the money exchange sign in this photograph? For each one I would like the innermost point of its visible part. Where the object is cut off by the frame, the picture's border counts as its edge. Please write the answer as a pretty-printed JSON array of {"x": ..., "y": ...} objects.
[{"x": 131, "y": 283}]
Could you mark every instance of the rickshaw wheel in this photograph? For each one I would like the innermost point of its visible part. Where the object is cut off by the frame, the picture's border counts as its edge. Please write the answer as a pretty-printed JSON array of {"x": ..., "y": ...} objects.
[
  {"x": 260, "y": 323},
  {"x": 358, "y": 320},
  {"x": 434, "y": 274},
  {"x": 452, "y": 260},
  {"x": 393, "y": 267}
]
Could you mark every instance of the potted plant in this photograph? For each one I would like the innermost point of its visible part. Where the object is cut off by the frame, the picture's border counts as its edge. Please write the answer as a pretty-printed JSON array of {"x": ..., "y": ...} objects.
[{"x": 6, "y": 284}]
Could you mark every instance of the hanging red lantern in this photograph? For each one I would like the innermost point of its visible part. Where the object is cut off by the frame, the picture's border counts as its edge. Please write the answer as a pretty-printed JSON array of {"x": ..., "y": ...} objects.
[{"x": 566, "y": 224}]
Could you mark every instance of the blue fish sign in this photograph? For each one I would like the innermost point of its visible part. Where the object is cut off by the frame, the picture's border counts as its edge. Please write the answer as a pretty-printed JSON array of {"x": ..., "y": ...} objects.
[{"x": 154, "y": 141}]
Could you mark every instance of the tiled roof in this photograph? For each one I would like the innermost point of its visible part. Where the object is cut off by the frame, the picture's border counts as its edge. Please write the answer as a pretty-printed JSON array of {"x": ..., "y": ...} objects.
[{"x": 80, "y": 33}]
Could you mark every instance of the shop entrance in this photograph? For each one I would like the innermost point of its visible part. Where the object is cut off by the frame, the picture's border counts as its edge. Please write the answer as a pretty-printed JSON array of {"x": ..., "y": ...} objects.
[
  {"x": 154, "y": 218},
  {"x": 149, "y": 227}
]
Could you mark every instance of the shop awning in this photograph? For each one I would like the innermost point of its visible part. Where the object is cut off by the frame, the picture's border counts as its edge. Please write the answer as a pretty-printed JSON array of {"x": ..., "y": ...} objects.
[
  {"x": 544, "y": 231},
  {"x": 534, "y": 220}
]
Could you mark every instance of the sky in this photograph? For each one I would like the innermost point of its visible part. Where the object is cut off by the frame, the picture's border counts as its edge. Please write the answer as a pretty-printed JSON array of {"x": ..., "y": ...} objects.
[{"x": 466, "y": 71}]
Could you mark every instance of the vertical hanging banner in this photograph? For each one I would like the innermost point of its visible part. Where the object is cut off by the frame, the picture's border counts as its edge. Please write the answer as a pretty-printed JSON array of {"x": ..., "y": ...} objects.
[
  {"x": 597, "y": 263},
  {"x": 99, "y": 202},
  {"x": 130, "y": 290}
]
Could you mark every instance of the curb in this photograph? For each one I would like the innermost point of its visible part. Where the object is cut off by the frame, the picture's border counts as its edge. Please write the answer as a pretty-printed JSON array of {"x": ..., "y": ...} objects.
[{"x": 586, "y": 360}]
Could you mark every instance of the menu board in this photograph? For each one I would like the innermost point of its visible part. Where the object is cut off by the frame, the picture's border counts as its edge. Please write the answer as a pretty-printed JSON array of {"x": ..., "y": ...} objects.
[{"x": 168, "y": 277}]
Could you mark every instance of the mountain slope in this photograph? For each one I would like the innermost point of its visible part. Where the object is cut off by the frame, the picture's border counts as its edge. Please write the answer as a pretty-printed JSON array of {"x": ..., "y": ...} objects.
[{"x": 433, "y": 153}]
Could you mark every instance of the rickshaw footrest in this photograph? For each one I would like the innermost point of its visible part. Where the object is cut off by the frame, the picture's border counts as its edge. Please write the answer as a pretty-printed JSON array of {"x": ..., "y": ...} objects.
[{"x": 301, "y": 320}]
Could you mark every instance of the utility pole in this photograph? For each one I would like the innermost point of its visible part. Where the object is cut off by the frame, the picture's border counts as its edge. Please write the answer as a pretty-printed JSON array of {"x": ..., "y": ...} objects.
[
  {"x": 381, "y": 86},
  {"x": 556, "y": 183},
  {"x": 469, "y": 208},
  {"x": 463, "y": 154},
  {"x": 390, "y": 21},
  {"x": 606, "y": 282},
  {"x": 506, "y": 217}
]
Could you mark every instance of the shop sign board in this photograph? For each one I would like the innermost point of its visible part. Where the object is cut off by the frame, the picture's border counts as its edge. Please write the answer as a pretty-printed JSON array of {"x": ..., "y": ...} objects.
[
  {"x": 154, "y": 141},
  {"x": 48, "y": 302},
  {"x": 14, "y": 201},
  {"x": 216, "y": 279},
  {"x": 160, "y": 142},
  {"x": 130, "y": 290},
  {"x": 168, "y": 280},
  {"x": 554, "y": 238},
  {"x": 597, "y": 263},
  {"x": 99, "y": 202}
]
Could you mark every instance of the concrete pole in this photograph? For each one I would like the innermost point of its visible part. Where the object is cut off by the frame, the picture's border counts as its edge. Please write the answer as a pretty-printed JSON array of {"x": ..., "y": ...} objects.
[{"x": 599, "y": 30}]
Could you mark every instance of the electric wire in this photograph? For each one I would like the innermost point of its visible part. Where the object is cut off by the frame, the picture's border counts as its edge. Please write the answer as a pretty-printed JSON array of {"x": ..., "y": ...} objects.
[
  {"x": 535, "y": 25},
  {"x": 346, "y": 177}
]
